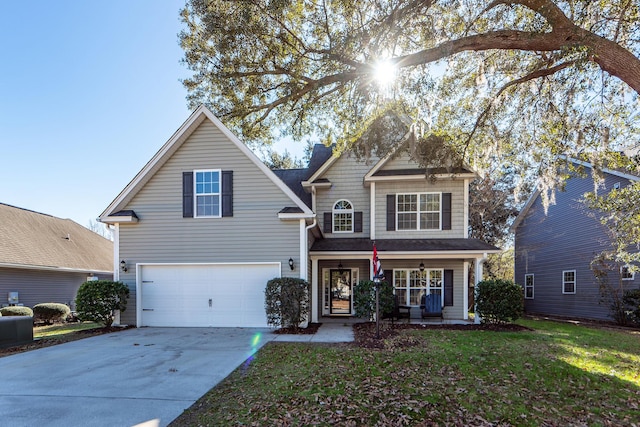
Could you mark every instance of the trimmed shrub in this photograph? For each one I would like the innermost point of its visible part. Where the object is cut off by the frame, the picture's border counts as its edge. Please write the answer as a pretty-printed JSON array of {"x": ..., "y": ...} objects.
[
  {"x": 50, "y": 312},
  {"x": 16, "y": 310},
  {"x": 364, "y": 299},
  {"x": 97, "y": 300},
  {"x": 631, "y": 300},
  {"x": 286, "y": 302},
  {"x": 499, "y": 301}
]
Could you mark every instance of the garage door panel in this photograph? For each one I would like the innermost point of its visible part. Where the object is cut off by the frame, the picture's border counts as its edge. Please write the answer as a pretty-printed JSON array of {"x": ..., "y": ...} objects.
[{"x": 178, "y": 295}]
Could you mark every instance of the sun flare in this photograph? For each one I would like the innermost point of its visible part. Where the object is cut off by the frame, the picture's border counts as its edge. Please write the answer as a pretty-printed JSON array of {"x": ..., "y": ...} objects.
[{"x": 385, "y": 72}]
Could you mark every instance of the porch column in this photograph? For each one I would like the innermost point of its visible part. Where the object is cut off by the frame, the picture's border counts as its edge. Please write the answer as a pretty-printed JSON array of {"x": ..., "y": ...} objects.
[
  {"x": 465, "y": 291},
  {"x": 478, "y": 279},
  {"x": 315, "y": 297}
]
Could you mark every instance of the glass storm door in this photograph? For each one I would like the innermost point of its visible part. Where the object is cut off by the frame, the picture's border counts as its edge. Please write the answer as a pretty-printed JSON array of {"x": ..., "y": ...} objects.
[{"x": 340, "y": 294}]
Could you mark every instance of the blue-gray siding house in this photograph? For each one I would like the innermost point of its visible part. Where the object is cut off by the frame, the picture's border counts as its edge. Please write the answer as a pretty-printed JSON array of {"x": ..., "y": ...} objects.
[{"x": 554, "y": 250}]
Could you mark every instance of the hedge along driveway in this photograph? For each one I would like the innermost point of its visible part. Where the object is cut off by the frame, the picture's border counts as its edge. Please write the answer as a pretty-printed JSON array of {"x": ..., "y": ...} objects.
[{"x": 124, "y": 378}]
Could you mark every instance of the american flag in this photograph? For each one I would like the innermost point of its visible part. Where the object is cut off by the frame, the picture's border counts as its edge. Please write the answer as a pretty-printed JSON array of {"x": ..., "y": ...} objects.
[{"x": 377, "y": 266}]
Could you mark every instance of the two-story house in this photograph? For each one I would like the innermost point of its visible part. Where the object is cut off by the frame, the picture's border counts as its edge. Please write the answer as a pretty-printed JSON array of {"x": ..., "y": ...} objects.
[
  {"x": 554, "y": 250},
  {"x": 205, "y": 224}
]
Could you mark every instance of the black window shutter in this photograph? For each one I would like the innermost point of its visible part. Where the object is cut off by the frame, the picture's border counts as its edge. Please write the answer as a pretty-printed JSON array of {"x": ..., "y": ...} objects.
[
  {"x": 227, "y": 193},
  {"x": 446, "y": 211},
  {"x": 388, "y": 276},
  {"x": 357, "y": 222},
  {"x": 328, "y": 226},
  {"x": 448, "y": 288},
  {"x": 187, "y": 194},
  {"x": 391, "y": 212}
]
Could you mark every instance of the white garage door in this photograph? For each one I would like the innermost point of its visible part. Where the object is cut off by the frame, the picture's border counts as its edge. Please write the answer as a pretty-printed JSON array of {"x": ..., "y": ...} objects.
[{"x": 204, "y": 294}]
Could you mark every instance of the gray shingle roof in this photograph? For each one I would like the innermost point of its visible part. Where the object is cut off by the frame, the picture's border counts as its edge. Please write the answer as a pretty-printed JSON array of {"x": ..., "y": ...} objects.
[
  {"x": 293, "y": 177},
  {"x": 34, "y": 239},
  {"x": 401, "y": 245}
]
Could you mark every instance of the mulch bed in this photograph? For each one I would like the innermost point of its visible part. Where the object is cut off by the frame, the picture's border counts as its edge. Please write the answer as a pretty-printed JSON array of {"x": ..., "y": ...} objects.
[
  {"x": 365, "y": 333},
  {"x": 311, "y": 328}
]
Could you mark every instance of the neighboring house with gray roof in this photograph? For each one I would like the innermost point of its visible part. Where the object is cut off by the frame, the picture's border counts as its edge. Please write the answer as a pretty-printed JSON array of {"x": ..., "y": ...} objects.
[
  {"x": 205, "y": 224},
  {"x": 554, "y": 250},
  {"x": 45, "y": 259}
]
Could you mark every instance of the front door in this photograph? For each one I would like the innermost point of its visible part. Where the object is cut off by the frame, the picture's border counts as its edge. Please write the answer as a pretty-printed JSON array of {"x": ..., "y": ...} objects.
[{"x": 340, "y": 295}]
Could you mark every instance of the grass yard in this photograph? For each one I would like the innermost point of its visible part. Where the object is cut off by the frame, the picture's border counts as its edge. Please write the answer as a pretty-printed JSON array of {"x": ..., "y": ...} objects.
[
  {"x": 59, "y": 333},
  {"x": 558, "y": 374},
  {"x": 58, "y": 330}
]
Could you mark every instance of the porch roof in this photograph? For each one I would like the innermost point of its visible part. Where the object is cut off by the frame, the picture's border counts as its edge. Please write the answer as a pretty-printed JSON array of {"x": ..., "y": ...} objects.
[{"x": 402, "y": 245}]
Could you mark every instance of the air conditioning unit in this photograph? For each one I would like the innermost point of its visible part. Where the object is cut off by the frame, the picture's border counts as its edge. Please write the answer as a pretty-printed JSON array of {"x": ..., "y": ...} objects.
[{"x": 13, "y": 298}]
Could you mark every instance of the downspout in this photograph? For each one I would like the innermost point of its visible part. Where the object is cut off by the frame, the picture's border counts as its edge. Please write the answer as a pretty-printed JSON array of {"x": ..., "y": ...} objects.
[
  {"x": 304, "y": 251},
  {"x": 478, "y": 279},
  {"x": 304, "y": 262},
  {"x": 116, "y": 252}
]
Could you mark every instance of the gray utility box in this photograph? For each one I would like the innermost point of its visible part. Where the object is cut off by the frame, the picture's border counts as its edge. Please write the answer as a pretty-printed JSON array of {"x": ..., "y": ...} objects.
[{"x": 15, "y": 330}]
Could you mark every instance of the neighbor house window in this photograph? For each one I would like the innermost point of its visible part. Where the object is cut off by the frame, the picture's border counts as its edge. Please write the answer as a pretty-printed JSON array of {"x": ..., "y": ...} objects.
[
  {"x": 343, "y": 217},
  {"x": 569, "y": 282},
  {"x": 626, "y": 273},
  {"x": 528, "y": 286},
  {"x": 207, "y": 193},
  {"x": 418, "y": 211},
  {"x": 410, "y": 284}
]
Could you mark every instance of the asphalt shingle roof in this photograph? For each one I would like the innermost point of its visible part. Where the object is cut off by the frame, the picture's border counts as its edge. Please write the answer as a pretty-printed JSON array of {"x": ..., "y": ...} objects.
[
  {"x": 34, "y": 239},
  {"x": 293, "y": 177},
  {"x": 401, "y": 245}
]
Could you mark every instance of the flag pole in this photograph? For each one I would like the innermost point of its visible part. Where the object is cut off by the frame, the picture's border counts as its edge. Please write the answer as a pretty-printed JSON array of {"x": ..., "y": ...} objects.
[{"x": 376, "y": 280}]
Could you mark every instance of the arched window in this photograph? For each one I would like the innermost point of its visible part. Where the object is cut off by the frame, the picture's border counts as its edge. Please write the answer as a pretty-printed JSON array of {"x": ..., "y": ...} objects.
[{"x": 343, "y": 217}]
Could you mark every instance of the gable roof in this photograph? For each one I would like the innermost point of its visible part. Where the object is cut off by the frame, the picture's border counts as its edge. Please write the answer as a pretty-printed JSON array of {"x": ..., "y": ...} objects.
[
  {"x": 536, "y": 193},
  {"x": 376, "y": 173},
  {"x": 36, "y": 240},
  {"x": 171, "y": 146}
]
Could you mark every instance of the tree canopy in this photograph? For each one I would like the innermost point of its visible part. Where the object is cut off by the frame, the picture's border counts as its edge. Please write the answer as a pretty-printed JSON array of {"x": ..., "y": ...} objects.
[{"x": 507, "y": 82}]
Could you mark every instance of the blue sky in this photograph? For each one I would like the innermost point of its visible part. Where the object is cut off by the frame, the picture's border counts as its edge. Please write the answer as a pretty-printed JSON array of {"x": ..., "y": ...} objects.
[{"x": 89, "y": 91}]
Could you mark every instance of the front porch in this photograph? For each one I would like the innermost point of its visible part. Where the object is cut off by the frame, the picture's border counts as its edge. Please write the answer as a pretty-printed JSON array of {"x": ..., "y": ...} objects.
[{"x": 413, "y": 267}]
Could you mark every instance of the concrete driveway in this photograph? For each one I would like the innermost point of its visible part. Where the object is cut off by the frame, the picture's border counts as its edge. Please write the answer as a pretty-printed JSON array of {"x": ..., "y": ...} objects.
[{"x": 147, "y": 375}]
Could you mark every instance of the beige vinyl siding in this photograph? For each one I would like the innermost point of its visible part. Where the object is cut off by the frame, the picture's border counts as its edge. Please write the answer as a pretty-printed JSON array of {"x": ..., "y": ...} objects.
[
  {"x": 253, "y": 234},
  {"x": 400, "y": 161},
  {"x": 346, "y": 176},
  {"x": 453, "y": 186}
]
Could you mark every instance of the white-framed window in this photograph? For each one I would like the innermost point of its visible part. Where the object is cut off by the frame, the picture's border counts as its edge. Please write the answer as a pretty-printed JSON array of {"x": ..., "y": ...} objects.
[
  {"x": 419, "y": 211},
  {"x": 569, "y": 282},
  {"x": 207, "y": 193},
  {"x": 342, "y": 217},
  {"x": 528, "y": 286},
  {"x": 626, "y": 273},
  {"x": 411, "y": 283}
]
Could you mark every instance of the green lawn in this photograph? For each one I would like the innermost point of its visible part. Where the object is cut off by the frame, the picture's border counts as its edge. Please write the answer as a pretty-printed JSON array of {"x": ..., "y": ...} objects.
[
  {"x": 58, "y": 330},
  {"x": 558, "y": 374}
]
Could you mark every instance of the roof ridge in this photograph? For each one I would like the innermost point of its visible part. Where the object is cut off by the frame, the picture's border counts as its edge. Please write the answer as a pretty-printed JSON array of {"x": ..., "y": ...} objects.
[{"x": 31, "y": 210}]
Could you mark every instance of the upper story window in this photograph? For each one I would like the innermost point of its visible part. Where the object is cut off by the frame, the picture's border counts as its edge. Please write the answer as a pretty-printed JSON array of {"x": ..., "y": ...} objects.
[
  {"x": 207, "y": 193},
  {"x": 418, "y": 211},
  {"x": 569, "y": 282},
  {"x": 342, "y": 214}
]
